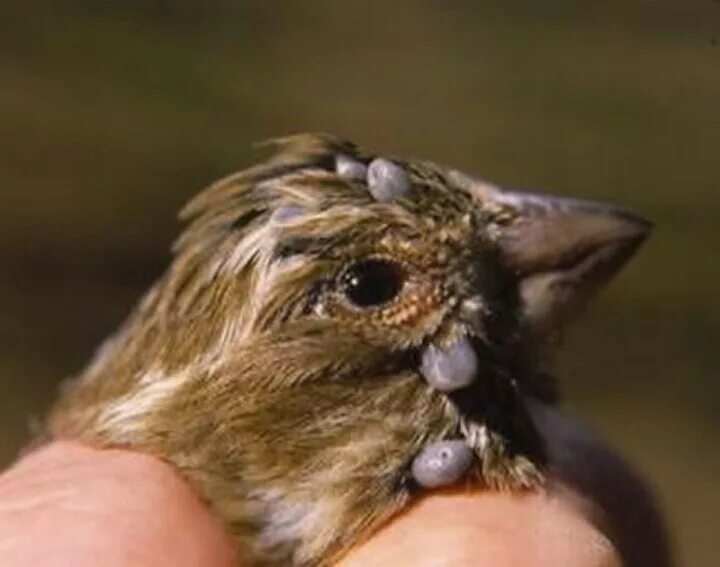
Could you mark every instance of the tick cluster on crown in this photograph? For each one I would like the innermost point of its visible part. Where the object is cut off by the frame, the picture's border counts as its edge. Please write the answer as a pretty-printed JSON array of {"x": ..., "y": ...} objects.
[{"x": 339, "y": 331}]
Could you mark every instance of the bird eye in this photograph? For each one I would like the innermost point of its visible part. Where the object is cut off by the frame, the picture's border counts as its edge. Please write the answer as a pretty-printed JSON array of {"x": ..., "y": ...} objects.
[{"x": 372, "y": 282}]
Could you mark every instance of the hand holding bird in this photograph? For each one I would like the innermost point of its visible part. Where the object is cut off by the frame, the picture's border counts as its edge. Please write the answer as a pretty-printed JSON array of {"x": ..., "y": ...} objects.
[{"x": 340, "y": 331}]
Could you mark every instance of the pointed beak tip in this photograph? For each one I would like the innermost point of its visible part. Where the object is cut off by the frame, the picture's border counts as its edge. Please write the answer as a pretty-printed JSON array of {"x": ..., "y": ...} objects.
[{"x": 636, "y": 228}]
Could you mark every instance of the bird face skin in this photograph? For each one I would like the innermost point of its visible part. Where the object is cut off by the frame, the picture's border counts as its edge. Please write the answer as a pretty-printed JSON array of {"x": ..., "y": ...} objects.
[{"x": 340, "y": 331}]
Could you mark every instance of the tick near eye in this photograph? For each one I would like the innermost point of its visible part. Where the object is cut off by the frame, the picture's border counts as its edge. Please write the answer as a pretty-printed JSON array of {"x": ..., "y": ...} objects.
[{"x": 372, "y": 282}]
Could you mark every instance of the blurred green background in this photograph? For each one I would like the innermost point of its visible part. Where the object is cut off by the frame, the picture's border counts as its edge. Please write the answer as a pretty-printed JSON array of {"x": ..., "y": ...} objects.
[{"x": 114, "y": 112}]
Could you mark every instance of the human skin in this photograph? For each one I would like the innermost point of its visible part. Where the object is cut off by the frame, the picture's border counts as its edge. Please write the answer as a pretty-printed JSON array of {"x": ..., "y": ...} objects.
[{"x": 66, "y": 504}]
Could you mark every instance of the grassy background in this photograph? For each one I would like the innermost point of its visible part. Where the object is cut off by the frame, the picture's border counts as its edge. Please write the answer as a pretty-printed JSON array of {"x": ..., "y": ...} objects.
[{"x": 114, "y": 112}]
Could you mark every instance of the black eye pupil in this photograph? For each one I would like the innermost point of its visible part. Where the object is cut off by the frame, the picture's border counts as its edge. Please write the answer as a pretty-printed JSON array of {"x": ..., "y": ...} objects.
[{"x": 372, "y": 282}]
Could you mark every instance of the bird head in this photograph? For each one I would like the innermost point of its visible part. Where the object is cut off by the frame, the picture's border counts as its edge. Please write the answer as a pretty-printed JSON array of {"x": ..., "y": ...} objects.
[{"x": 304, "y": 239}]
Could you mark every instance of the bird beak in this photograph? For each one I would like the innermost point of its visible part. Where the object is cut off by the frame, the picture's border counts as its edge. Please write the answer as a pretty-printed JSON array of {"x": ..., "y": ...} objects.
[{"x": 561, "y": 250}]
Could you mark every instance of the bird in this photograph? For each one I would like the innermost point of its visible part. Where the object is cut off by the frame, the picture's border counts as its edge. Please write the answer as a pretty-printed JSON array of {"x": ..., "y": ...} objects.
[{"x": 341, "y": 331}]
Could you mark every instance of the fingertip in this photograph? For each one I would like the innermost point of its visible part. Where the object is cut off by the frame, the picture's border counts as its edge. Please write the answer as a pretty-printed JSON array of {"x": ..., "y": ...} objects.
[
  {"x": 67, "y": 502},
  {"x": 488, "y": 528}
]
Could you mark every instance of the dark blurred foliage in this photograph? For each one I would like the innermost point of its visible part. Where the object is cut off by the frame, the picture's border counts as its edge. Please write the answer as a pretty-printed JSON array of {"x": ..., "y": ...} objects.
[{"x": 114, "y": 112}]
